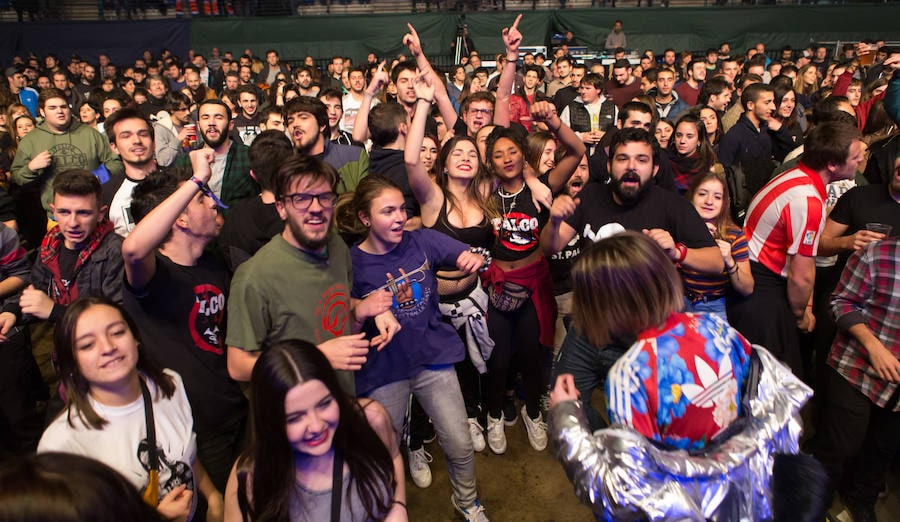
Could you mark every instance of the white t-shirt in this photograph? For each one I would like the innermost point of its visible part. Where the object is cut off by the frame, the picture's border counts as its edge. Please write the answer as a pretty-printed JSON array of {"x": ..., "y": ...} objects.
[
  {"x": 351, "y": 107},
  {"x": 122, "y": 443},
  {"x": 120, "y": 208}
]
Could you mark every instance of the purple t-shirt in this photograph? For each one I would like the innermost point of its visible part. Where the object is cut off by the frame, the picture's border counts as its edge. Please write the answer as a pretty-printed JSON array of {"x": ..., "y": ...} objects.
[{"x": 425, "y": 340}]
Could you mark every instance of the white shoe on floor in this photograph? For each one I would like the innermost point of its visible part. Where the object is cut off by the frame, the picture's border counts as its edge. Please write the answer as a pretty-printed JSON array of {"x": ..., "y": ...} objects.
[
  {"x": 419, "y": 469},
  {"x": 496, "y": 435},
  {"x": 475, "y": 513},
  {"x": 537, "y": 430},
  {"x": 477, "y": 434}
]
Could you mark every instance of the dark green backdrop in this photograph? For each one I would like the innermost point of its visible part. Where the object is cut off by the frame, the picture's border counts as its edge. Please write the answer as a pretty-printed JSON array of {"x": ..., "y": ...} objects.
[
  {"x": 323, "y": 36},
  {"x": 657, "y": 28}
]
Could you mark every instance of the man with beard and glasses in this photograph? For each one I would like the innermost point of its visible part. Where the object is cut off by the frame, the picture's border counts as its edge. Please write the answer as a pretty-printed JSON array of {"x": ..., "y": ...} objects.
[
  {"x": 231, "y": 180},
  {"x": 267, "y": 304},
  {"x": 630, "y": 201}
]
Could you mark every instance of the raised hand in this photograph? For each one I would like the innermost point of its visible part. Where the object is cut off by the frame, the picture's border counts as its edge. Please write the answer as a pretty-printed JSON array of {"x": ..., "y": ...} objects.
[
  {"x": 424, "y": 86},
  {"x": 379, "y": 80},
  {"x": 201, "y": 163},
  {"x": 412, "y": 42},
  {"x": 563, "y": 207},
  {"x": 544, "y": 111},
  {"x": 512, "y": 38}
]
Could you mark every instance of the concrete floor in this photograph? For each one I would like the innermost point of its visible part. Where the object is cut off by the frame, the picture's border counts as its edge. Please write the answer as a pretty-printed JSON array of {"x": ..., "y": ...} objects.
[{"x": 523, "y": 485}]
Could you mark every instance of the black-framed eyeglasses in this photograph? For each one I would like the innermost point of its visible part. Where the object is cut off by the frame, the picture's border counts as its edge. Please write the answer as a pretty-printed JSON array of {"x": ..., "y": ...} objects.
[
  {"x": 302, "y": 200},
  {"x": 183, "y": 109}
]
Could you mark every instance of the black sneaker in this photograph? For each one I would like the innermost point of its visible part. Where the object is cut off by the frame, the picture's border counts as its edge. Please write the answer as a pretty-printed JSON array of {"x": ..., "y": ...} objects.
[
  {"x": 510, "y": 413},
  {"x": 429, "y": 434}
]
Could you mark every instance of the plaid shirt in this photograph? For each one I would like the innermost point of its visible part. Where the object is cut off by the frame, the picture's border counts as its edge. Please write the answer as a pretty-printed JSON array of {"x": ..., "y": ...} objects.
[
  {"x": 237, "y": 183},
  {"x": 868, "y": 293}
]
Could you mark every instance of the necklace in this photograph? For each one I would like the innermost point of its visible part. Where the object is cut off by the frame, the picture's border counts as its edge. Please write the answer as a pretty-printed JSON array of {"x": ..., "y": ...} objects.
[{"x": 504, "y": 197}]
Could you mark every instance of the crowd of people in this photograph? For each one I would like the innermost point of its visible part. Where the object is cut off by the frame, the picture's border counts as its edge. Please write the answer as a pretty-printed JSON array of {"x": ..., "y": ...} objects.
[{"x": 264, "y": 280}]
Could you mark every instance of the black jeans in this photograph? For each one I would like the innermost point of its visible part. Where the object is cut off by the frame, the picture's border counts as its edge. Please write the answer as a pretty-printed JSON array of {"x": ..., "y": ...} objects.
[{"x": 855, "y": 441}]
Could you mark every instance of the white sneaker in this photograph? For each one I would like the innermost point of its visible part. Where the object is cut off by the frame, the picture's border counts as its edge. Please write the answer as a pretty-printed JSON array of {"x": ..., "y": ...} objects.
[
  {"x": 477, "y": 434},
  {"x": 474, "y": 514},
  {"x": 419, "y": 469},
  {"x": 496, "y": 435},
  {"x": 537, "y": 430}
]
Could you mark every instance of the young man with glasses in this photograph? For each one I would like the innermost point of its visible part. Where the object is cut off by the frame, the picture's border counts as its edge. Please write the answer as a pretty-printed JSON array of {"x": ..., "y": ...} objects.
[
  {"x": 298, "y": 285},
  {"x": 170, "y": 128}
]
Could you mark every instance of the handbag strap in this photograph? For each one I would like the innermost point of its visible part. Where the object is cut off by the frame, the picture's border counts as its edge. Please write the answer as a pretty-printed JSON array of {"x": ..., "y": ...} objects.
[
  {"x": 337, "y": 487},
  {"x": 153, "y": 461}
]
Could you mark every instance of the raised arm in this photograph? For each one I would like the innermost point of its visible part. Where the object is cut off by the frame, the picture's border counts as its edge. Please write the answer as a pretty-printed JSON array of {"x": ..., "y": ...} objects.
[
  {"x": 424, "y": 189},
  {"x": 414, "y": 44},
  {"x": 545, "y": 112},
  {"x": 892, "y": 94},
  {"x": 361, "y": 124},
  {"x": 512, "y": 38},
  {"x": 139, "y": 248}
]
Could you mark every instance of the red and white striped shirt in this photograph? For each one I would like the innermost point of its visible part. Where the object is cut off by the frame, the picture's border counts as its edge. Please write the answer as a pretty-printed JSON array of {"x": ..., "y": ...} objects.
[{"x": 786, "y": 218}]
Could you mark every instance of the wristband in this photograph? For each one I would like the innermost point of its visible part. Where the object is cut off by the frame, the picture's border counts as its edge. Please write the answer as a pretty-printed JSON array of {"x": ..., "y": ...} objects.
[
  {"x": 426, "y": 100},
  {"x": 399, "y": 503},
  {"x": 514, "y": 59},
  {"x": 204, "y": 188},
  {"x": 731, "y": 270},
  {"x": 682, "y": 253}
]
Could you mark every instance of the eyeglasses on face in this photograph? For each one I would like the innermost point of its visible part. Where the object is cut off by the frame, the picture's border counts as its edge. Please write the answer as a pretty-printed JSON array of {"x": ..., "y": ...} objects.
[{"x": 302, "y": 201}]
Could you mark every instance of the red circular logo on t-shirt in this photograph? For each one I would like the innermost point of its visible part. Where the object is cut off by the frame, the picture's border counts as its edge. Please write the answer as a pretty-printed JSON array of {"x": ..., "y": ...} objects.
[{"x": 206, "y": 318}]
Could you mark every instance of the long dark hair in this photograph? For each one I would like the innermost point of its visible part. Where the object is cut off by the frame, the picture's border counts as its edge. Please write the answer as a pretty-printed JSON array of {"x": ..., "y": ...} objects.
[
  {"x": 478, "y": 190},
  {"x": 692, "y": 164},
  {"x": 77, "y": 387},
  {"x": 270, "y": 458}
]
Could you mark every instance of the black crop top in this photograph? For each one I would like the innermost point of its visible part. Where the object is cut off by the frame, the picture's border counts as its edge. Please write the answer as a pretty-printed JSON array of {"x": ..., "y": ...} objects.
[
  {"x": 481, "y": 235},
  {"x": 518, "y": 230}
]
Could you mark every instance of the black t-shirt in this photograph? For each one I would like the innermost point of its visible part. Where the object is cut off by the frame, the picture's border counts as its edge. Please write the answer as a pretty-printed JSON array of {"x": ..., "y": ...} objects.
[
  {"x": 182, "y": 317},
  {"x": 250, "y": 225},
  {"x": 390, "y": 164},
  {"x": 245, "y": 129},
  {"x": 861, "y": 205},
  {"x": 561, "y": 266},
  {"x": 518, "y": 230},
  {"x": 658, "y": 208},
  {"x": 67, "y": 259}
]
